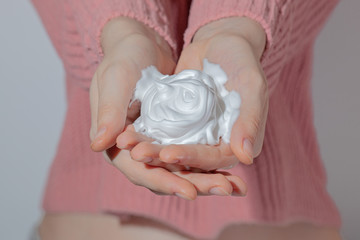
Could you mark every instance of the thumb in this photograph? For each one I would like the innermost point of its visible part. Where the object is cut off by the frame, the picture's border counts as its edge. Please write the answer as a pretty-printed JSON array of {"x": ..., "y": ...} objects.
[
  {"x": 115, "y": 86},
  {"x": 247, "y": 134},
  {"x": 189, "y": 59}
]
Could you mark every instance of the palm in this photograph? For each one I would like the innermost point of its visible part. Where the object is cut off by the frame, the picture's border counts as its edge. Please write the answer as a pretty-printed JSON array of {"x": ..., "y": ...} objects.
[{"x": 238, "y": 62}]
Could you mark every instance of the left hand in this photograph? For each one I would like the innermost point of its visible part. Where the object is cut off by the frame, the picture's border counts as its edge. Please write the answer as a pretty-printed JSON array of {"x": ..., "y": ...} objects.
[{"x": 236, "y": 44}]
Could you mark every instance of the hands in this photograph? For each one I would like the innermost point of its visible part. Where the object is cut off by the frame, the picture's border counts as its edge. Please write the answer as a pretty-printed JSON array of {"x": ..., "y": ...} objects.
[
  {"x": 234, "y": 43},
  {"x": 237, "y": 45},
  {"x": 126, "y": 54}
]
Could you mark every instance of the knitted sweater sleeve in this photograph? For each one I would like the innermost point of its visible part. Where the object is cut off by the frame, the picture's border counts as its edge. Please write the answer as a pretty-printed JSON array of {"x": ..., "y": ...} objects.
[
  {"x": 86, "y": 18},
  {"x": 289, "y": 25}
]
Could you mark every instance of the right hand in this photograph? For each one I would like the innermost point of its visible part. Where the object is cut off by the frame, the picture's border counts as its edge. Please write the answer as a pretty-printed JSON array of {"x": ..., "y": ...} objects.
[{"x": 129, "y": 47}]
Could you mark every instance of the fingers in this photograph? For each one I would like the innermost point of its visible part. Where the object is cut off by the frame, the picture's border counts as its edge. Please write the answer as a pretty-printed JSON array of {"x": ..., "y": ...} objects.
[
  {"x": 199, "y": 156},
  {"x": 188, "y": 58},
  {"x": 146, "y": 152},
  {"x": 205, "y": 183},
  {"x": 215, "y": 183},
  {"x": 115, "y": 86},
  {"x": 248, "y": 131},
  {"x": 208, "y": 184},
  {"x": 246, "y": 77},
  {"x": 154, "y": 178},
  {"x": 238, "y": 185},
  {"x": 142, "y": 149},
  {"x": 129, "y": 138},
  {"x": 184, "y": 184}
]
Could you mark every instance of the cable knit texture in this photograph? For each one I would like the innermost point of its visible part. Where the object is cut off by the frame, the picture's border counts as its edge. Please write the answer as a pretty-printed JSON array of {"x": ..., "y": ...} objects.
[{"x": 287, "y": 182}]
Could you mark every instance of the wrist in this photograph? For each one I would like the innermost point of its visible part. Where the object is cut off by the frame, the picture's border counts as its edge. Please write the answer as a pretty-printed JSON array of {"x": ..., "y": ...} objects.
[
  {"x": 120, "y": 28},
  {"x": 242, "y": 27}
]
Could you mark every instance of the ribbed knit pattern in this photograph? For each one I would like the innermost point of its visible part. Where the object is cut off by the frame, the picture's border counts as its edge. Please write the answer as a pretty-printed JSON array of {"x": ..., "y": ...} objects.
[
  {"x": 287, "y": 182},
  {"x": 289, "y": 25},
  {"x": 75, "y": 27}
]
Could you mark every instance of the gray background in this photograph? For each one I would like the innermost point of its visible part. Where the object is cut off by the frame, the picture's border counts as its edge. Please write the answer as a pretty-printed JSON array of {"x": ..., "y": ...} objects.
[{"x": 32, "y": 107}]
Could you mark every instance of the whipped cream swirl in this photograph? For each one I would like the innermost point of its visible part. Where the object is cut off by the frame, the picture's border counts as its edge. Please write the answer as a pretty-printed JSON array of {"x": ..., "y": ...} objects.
[{"x": 186, "y": 108}]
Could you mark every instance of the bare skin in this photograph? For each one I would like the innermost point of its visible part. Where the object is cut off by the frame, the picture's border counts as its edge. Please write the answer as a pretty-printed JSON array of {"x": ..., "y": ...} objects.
[
  {"x": 110, "y": 227},
  {"x": 126, "y": 53},
  {"x": 120, "y": 70}
]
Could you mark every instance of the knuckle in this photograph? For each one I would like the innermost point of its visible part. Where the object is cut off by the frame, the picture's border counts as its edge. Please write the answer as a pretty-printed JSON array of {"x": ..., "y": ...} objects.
[
  {"x": 259, "y": 80},
  {"x": 144, "y": 144},
  {"x": 163, "y": 189},
  {"x": 219, "y": 178},
  {"x": 106, "y": 111},
  {"x": 255, "y": 125},
  {"x": 254, "y": 78}
]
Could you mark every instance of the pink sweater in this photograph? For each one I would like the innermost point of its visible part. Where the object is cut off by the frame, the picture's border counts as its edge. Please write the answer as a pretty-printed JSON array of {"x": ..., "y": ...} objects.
[{"x": 286, "y": 183}]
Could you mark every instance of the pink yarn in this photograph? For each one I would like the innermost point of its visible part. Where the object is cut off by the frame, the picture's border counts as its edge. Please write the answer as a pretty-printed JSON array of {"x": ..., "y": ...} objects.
[{"x": 286, "y": 183}]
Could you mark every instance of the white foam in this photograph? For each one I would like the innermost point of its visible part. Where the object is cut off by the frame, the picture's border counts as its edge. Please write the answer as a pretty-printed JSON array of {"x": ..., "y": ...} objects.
[{"x": 187, "y": 108}]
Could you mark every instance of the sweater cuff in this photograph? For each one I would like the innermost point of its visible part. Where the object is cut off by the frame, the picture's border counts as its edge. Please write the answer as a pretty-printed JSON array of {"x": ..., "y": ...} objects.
[
  {"x": 202, "y": 12},
  {"x": 91, "y": 16}
]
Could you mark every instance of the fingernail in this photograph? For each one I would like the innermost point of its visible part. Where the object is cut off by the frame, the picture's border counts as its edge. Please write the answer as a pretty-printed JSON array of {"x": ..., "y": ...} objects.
[
  {"x": 183, "y": 196},
  {"x": 100, "y": 132},
  {"x": 218, "y": 191},
  {"x": 120, "y": 146},
  {"x": 174, "y": 161},
  {"x": 146, "y": 160},
  {"x": 169, "y": 159},
  {"x": 248, "y": 149}
]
